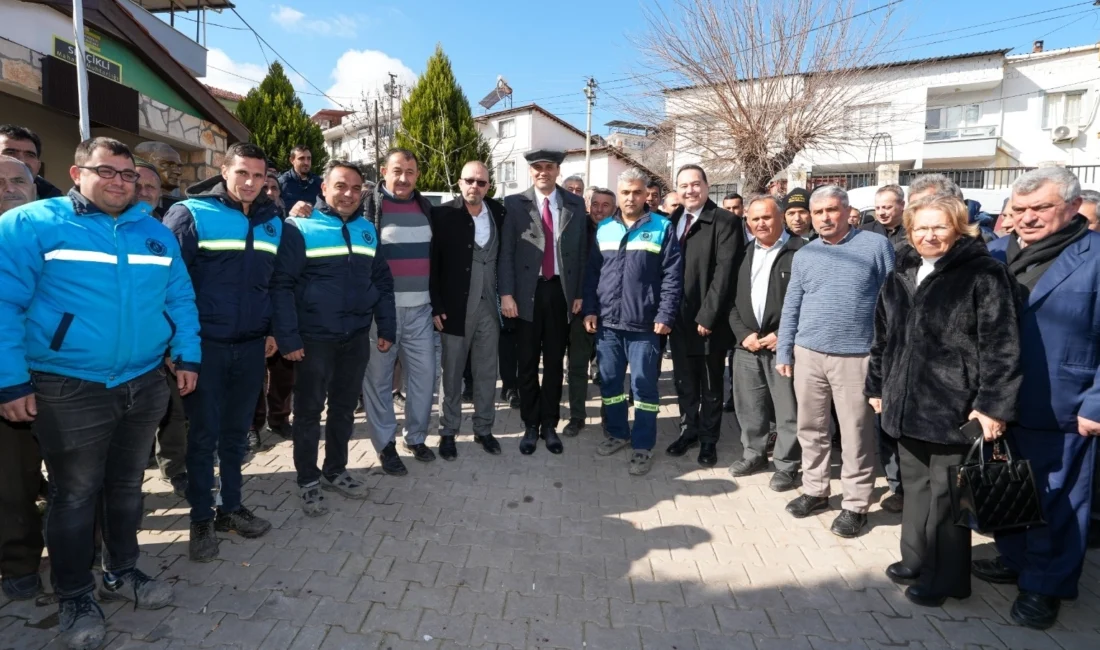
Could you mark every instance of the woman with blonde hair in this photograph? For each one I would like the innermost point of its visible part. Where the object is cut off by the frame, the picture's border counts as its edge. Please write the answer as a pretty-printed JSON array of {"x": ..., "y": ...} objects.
[{"x": 945, "y": 352}]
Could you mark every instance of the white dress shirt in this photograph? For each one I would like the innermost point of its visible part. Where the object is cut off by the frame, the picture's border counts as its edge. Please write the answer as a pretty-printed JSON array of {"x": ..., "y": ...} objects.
[
  {"x": 555, "y": 213},
  {"x": 762, "y": 261},
  {"x": 482, "y": 229},
  {"x": 683, "y": 221},
  {"x": 927, "y": 265}
]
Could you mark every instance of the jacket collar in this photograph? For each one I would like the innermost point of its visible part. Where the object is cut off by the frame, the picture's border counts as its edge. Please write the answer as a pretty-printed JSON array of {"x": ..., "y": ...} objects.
[
  {"x": 324, "y": 208},
  {"x": 213, "y": 188},
  {"x": 706, "y": 214}
]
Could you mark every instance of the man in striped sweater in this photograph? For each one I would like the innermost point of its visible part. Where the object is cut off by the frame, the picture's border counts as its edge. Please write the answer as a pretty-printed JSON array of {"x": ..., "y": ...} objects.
[
  {"x": 825, "y": 336},
  {"x": 403, "y": 220}
]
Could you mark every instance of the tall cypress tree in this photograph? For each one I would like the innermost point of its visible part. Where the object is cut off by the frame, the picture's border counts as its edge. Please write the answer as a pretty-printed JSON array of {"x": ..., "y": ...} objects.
[
  {"x": 438, "y": 126},
  {"x": 278, "y": 122}
]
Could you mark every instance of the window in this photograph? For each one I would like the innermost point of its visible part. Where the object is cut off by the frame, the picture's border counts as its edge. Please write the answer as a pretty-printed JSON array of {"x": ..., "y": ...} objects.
[
  {"x": 1063, "y": 108},
  {"x": 507, "y": 128},
  {"x": 336, "y": 145},
  {"x": 363, "y": 143},
  {"x": 508, "y": 171},
  {"x": 953, "y": 122},
  {"x": 869, "y": 119}
]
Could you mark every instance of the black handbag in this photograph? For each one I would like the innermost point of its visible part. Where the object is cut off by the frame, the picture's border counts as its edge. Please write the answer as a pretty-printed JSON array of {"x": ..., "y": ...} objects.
[{"x": 995, "y": 495}]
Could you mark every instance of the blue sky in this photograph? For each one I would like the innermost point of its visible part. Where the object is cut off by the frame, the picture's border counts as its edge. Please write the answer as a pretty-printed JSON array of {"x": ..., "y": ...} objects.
[{"x": 547, "y": 50}]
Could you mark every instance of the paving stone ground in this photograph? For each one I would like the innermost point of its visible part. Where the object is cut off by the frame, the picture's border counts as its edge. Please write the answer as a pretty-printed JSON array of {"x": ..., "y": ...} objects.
[{"x": 546, "y": 551}]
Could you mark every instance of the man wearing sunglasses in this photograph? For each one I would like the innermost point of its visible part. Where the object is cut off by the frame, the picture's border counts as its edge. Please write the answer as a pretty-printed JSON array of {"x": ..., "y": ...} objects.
[
  {"x": 464, "y": 305},
  {"x": 94, "y": 293}
]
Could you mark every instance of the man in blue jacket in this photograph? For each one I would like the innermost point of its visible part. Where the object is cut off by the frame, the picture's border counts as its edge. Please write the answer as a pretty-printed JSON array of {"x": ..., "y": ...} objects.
[
  {"x": 94, "y": 292},
  {"x": 631, "y": 297},
  {"x": 228, "y": 232},
  {"x": 1056, "y": 262},
  {"x": 298, "y": 184},
  {"x": 330, "y": 281}
]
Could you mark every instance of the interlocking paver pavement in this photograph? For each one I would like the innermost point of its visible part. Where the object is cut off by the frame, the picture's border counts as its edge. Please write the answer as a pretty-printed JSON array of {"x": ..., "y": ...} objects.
[{"x": 546, "y": 551}]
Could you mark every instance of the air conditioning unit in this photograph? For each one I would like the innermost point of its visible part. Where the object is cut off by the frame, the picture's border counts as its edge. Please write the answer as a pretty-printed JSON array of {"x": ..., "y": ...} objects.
[{"x": 1063, "y": 133}]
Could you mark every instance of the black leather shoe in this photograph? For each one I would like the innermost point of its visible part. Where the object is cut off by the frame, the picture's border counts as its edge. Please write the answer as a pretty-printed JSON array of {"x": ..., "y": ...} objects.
[
  {"x": 553, "y": 442},
  {"x": 848, "y": 524},
  {"x": 894, "y": 503},
  {"x": 994, "y": 571},
  {"x": 728, "y": 406},
  {"x": 573, "y": 428},
  {"x": 447, "y": 449},
  {"x": 901, "y": 574},
  {"x": 806, "y": 505},
  {"x": 513, "y": 399},
  {"x": 391, "y": 462},
  {"x": 783, "y": 481},
  {"x": 708, "y": 454},
  {"x": 421, "y": 452},
  {"x": 746, "y": 467},
  {"x": 680, "y": 446},
  {"x": 1035, "y": 610},
  {"x": 529, "y": 441},
  {"x": 488, "y": 443},
  {"x": 919, "y": 595}
]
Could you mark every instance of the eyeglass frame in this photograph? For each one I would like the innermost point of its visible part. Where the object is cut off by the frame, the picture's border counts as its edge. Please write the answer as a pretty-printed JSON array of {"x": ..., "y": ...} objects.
[{"x": 98, "y": 169}]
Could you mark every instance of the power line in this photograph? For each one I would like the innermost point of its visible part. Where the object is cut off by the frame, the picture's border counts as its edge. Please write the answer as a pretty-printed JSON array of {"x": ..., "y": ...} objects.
[{"x": 258, "y": 82}]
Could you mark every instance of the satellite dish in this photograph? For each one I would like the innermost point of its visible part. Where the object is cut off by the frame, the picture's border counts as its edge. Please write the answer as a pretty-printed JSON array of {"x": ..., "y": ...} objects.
[{"x": 388, "y": 88}]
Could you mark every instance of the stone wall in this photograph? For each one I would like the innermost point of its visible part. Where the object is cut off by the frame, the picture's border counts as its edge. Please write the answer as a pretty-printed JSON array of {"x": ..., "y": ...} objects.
[{"x": 22, "y": 67}]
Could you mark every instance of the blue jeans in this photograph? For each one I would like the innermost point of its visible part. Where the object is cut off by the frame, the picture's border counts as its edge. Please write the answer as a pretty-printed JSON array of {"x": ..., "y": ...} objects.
[
  {"x": 220, "y": 412},
  {"x": 332, "y": 370},
  {"x": 615, "y": 349},
  {"x": 95, "y": 441}
]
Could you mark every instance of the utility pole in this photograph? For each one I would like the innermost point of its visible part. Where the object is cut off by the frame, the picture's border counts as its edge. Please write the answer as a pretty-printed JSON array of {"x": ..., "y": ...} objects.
[
  {"x": 590, "y": 95},
  {"x": 82, "y": 69},
  {"x": 377, "y": 154},
  {"x": 393, "y": 91}
]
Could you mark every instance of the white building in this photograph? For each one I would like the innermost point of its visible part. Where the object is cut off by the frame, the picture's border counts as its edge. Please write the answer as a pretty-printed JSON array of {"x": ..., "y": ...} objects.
[
  {"x": 513, "y": 132},
  {"x": 979, "y": 111}
]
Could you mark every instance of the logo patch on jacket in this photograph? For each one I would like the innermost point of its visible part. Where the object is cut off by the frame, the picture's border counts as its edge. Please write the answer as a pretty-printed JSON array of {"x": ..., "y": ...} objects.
[
  {"x": 269, "y": 229},
  {"x": 367, "y": 239},
  {"x": 155, "y": 247}
]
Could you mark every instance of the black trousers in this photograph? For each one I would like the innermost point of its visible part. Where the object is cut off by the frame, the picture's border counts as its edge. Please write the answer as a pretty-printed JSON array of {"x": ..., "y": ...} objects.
[
  {"x": 545, "y": 339},
  {"x": 332, "y": 370},
  {"x": 698, "y": 380},
  {"x": 273, "y": 406},
  {"x": 509, "y": 354},
  {"x": 20, "y": 478},
  {"x": 930, "y": 541}
]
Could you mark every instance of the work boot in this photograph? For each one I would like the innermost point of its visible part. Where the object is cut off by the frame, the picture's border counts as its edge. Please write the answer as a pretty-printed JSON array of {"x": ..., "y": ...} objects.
[
  {"x": 80, "y": 621},
  {"x": 136, "y": 587}
]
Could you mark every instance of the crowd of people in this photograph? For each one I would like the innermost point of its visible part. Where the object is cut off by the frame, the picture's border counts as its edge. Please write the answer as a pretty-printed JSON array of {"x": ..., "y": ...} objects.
[{"x": 129, "y": 323}]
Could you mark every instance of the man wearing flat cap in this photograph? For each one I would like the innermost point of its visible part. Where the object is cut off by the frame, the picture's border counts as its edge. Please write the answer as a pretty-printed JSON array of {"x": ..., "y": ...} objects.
[{"x": 541, "y": 268}]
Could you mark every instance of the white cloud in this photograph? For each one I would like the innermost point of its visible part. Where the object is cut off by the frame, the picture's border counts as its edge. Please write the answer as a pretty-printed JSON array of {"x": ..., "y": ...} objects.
[
  {"x": 295, "y": 21},
  {"x": 363, "y": 73},
  {"x": 239, "y": 77}
]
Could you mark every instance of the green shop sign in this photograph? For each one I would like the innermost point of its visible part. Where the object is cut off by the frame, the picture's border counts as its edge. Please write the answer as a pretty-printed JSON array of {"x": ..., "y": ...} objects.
[{"x": 95, "y": 62}]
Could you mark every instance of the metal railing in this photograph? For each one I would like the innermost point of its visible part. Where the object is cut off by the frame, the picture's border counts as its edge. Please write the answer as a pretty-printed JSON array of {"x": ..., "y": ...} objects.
[
  {"x": 990, "y": 178},
  {"x": 1086, "y": 173},
  {"x": 846, "y": 180}
]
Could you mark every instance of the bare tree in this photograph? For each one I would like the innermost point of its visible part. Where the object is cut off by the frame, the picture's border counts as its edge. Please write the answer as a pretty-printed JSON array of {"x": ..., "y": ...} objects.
[{"x": 752, "y": 84}]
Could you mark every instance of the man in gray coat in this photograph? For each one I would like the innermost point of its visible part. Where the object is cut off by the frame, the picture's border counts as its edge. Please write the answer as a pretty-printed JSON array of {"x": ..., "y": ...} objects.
[{"x": 540, "y": 278}]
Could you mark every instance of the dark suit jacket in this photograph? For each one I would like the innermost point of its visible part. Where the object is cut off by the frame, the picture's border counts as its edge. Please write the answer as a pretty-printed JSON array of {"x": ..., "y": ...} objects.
[
  {"x": 1060, "y": 339},
  {"x": 742, "y": 318},
  {"x": 522, "y": 243},
  {"x": 451, "y": 257},
  {"x": 711, "y": 253}
]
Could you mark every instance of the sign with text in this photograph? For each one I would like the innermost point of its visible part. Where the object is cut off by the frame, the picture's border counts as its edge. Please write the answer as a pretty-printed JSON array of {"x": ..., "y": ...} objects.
[{"x": 95, "y": 63}]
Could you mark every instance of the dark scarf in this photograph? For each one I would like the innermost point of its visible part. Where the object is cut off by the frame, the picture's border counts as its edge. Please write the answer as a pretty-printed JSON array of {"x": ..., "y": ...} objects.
[{"x": 1029, "y": 264}]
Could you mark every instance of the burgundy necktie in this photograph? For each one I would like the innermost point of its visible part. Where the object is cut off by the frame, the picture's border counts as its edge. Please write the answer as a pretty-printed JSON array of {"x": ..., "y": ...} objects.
[
  {"x": 687, "y": 227},
  {"x": 548, "y": 234}
]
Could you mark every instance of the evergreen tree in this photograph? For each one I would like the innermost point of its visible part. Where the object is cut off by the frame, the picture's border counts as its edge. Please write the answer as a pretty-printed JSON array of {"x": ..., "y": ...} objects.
[
  {"x": 437, "y": 125},
  {"x": 278, "y": 122}
]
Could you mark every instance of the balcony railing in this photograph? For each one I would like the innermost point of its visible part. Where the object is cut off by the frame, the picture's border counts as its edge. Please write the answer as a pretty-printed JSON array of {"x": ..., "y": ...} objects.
[{"x": 963, "y": 133}]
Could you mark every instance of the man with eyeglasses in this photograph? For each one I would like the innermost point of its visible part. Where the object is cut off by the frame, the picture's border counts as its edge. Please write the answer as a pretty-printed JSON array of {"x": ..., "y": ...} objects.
[
  {"x": 228, "y": 232},
  {"x": 464, "y": 303},
  {"x": 25, "y": 145},
  {"x": 94, "y": 293}
]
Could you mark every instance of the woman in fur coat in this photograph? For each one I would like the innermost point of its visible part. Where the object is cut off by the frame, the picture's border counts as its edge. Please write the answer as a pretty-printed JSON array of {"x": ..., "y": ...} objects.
[{"x": 946, "y": 351}]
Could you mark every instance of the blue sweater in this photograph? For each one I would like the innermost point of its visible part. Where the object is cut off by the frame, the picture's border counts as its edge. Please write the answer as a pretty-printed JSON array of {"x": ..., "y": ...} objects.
[{"x": 830, "y": 303}]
